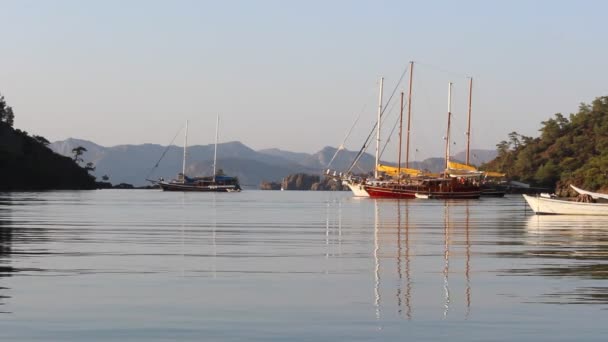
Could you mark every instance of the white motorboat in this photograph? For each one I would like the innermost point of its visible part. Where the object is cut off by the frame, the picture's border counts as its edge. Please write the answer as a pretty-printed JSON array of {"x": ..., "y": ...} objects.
[{"x": 553, "y": 206}]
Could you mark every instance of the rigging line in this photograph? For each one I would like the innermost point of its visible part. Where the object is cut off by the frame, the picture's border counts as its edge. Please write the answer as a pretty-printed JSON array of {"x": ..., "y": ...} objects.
[
  {"x": 345, "y": 138},
  {"x": 163, "y": 155},
  {"x": 395, "y": 89},
  {"x": 388, "y": 137},
  {"x": 391, "y": 134},
  {"x": 365, "y": 144},
  {"x": 362, "y": 111}
]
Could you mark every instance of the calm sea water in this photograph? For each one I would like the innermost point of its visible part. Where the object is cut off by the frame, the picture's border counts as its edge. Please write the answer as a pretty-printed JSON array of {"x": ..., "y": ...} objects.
[{"x": 296, "y": 266}]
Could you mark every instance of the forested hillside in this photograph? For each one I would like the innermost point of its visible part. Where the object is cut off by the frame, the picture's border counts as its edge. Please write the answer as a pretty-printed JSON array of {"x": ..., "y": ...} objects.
[
  {"x": 26, "y": 163},
  {"x": 569, "y": 150}
]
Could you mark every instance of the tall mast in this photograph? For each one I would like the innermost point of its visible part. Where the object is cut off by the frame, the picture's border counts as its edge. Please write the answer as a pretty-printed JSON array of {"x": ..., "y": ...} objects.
[
  {"x": 409, "y": 115},
  {"x": 447, "y": 136},
  {"x": 184, "y": 160},
  {"x": 378, "y": 132},
  {"x": 400, "y": 134},
  {"x": 217, "y": 126},
  {"x": 469, "y": 119}
]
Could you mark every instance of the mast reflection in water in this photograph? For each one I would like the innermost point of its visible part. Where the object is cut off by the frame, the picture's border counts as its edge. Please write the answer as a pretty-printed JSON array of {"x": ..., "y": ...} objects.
[
  {"x": 394, "y": 238},
  {"x": 301, "y": 266}
]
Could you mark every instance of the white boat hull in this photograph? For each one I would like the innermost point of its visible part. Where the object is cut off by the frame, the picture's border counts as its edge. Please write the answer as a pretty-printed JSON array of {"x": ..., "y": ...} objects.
[
  {"x": 357, "y": 189},
  {"x": 550, "y": 206}
]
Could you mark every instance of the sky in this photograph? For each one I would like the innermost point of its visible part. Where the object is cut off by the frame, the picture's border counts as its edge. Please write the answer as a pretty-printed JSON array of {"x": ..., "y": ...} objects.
[{"x": 295, "y": 75}]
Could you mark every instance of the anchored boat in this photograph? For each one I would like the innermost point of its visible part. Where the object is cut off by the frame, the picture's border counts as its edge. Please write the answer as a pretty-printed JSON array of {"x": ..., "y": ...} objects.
[{"x": 215, "y": 183}]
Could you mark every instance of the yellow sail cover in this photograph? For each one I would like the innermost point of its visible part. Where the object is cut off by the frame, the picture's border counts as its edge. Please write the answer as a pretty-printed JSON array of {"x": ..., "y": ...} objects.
[
  {"x": 464, "y": 167},
  {"x": 393, "y": 171},
  {"x": 494, "y": 174},
  {"x": 459, "y": 166}
]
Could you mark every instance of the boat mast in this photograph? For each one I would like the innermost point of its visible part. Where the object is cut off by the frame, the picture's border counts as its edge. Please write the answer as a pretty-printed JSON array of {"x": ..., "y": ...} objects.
[
  {"x": 469, "y": 119},
  {"x": 400, "y": 134},
  {"x": 409, "y": 115},
  {"x": 217, "y": 126},
  {"x": 378, "y": 132},
  {"x": 184, "y": 160},
  {"x": 447, "y": 137}
]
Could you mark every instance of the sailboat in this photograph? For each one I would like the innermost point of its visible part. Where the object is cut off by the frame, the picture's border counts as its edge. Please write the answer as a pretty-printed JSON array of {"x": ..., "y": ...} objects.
[
  {"x": 462, "y": 186},
  {"x": 492, "y": 183},
  {"x": 215, "y": 183},
  {"x": 357, "y": 184}
]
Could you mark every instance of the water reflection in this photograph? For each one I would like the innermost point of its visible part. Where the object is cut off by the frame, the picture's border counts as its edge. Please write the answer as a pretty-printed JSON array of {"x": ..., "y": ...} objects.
[
  {"x": 567, "y": 247},
  {"x": 395, "y": 226},
  {"x": 6, "y": 237},
  {"x": 446, "y": 258},
  {"x": 114, "y": 261}
]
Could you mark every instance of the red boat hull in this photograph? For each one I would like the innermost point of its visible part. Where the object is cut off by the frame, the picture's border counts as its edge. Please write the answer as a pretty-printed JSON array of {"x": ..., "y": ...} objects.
[{"x": 453, "y": 190}]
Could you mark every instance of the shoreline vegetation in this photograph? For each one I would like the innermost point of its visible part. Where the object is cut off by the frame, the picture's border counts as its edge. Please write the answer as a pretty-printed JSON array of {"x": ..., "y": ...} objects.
[
  {"x": 28, "y": 164},
  {"x": 569, "y": 150}
]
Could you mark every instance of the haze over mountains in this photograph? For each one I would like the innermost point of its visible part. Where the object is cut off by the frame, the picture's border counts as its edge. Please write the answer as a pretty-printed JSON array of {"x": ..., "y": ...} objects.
[{"x": 134, "y": 163}]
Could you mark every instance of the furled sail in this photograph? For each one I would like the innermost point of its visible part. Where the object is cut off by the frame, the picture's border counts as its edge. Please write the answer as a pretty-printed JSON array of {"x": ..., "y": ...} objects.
[
  {"x": 458, "y": 169},
  {"x": 462, "y": 170},
  {"x": 494, "y": 174},
  {"x": 458, "y": 166},
  {"x": 394, "y": 171}
]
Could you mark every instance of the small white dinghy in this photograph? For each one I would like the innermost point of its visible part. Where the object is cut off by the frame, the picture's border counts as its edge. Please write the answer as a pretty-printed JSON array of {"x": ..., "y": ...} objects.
[
  {"x": 552, "y": 206},
  {"x": 422, "y": 196}
]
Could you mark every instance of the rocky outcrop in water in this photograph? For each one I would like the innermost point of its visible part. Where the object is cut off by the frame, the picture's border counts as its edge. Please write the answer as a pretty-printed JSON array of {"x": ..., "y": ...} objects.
[
  {"x": 299, "y": 181},
  {"x": 303, "y": 181},
  {"x": 270, "y": 186}
]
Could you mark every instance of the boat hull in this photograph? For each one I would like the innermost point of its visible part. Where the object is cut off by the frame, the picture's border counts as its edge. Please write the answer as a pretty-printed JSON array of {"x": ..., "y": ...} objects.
[
  {"x": 358, "y": 189},
  {"x": 548, "y": 206},
  {"x": 421, "y": 192},
  {"x": 198, "y": 188}
]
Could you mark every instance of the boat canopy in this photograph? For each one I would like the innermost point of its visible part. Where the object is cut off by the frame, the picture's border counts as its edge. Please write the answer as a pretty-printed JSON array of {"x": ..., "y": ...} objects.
[
  {"x": 459, "y": 169},
  {"x": 210, "y": 178},
  {"x": 458, "y": 166},
  {"x": 394, "y": 171},
  {"x": 494, "y": 174}
]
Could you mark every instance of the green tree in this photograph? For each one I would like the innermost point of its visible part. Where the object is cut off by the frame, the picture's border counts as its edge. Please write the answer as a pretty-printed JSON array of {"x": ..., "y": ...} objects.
[
  {"x": 6, "y": 113},
  {"x": 41, "y": 140},
  {"x": 89, "y": 167},
  {"x": 77, "y": 152},
  {"x": 569, "y": 150},
  {"x": 547, "y": 174}
]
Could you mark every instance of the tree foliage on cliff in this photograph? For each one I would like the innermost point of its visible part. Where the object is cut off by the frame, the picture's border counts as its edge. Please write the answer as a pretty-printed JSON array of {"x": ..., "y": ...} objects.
[
  {"x": 569, "y": 150},
  {"x": 26, "y": 163},
  {"x": 6, "y": 112}
]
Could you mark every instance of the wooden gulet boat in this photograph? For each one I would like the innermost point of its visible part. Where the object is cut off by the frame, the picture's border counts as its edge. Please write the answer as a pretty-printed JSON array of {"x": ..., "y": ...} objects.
[
  {"x": 215, "y": 183},
  {"x": 462, "y": 186}
]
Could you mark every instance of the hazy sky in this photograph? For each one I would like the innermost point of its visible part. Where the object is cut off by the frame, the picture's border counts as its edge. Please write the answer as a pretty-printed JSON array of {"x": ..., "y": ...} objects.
[{"x": 295, "y": 74}]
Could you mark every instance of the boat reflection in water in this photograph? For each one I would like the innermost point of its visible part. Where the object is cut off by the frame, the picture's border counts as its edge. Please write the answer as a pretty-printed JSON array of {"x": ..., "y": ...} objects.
[
  {"x": 561, "y": 247},
  {"x": 397, "y": 238}
]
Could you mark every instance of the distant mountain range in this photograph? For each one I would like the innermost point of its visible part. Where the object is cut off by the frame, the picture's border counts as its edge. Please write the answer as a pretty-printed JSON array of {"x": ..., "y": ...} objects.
[{"x": 134, "y": 163}]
